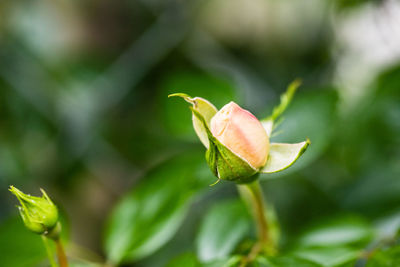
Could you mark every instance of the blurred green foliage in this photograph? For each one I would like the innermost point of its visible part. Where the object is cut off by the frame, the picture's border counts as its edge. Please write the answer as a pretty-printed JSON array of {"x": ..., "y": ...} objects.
[
  {"x": 19, "y": 246},
  {"x": 224, "y": 226},
  {"x": 150, "y": 215},
  {"x": 84, "y": 114}
]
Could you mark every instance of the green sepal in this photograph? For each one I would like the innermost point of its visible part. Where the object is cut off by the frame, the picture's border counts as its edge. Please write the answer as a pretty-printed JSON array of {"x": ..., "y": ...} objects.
[
  {"x": 286, "y": 98},
  {"x": 268, "y": 126},
  {"x": 269, "y": 123},
  {"x": 282, "y": 156},
  {"x": 206, "y": 109},
  {"x": 225, "y": 164}
]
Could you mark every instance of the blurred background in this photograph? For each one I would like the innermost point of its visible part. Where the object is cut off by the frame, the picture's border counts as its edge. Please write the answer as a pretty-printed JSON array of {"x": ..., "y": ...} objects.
[{"x": 84, "y": 111}]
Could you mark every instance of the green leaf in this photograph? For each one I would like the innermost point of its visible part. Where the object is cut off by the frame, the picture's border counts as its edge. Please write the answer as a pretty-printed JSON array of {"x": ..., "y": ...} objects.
[
  {"x": 224, "y": 226},
  {"x": 18, "y": 246},
  {"x": 329, "y": 256},
  {"x": 206, "y": 109},
  {"x": 349, "y": 230},
  {"x": 282, "y": 156},
  {"x": 150, "y": 215}
]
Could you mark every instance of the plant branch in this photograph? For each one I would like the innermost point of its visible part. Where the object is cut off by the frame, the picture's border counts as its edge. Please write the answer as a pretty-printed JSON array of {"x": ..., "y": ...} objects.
[
  {"x": 253, "y": 196},
  {"x": 62, "y": 258},
  {"x": 49, "y": 252}
]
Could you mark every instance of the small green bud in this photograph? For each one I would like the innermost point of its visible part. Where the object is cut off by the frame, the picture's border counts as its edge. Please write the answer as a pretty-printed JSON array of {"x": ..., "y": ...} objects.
[{"x": 39, "y": 214}]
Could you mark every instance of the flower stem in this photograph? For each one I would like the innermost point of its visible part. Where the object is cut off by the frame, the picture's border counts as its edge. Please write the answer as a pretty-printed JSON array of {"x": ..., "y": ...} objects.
[
  {"x": 48, "y": 250},
  {"x": 253, "y": 196},
  {"x": 62, "y": 258}
]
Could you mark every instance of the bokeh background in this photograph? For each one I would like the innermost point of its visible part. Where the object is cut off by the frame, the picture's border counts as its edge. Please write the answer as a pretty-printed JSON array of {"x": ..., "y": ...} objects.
[{"x": 84, "y": 111}]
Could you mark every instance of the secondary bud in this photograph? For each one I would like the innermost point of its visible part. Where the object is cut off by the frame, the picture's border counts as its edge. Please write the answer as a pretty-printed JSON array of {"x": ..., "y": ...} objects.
[
  {"x": 242, "y": 133},
  {"x": 39, "y": 214}
]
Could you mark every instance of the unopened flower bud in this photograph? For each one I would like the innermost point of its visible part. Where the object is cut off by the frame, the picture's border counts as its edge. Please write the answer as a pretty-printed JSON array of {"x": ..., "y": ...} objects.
[
  {"x": 242, "y": 133},
  {"x": 39, "y": 214},
  {"x": 237, "y": 143}
]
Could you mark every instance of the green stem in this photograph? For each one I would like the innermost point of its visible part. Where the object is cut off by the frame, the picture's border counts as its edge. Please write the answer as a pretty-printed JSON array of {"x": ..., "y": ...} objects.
[
  {"x": 49, "y": 252},
  {"x": 253, "y": 196},
  {"x": 62, "y": 257}
]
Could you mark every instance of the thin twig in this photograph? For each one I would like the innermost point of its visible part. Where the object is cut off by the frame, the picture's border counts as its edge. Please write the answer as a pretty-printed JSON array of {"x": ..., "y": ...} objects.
[
  {"x": 62, "y": 258},
  {"x": 48, "y": 251}
]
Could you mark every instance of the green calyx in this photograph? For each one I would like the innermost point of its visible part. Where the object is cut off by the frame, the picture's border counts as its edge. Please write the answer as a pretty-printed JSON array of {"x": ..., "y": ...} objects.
[
  {"x": 39, "y": 214},
  {"x": 225, "y": 164}
]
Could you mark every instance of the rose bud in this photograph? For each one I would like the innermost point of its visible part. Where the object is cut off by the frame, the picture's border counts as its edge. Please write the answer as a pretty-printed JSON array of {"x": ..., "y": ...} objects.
[
  {"x": 242, "y": 133},
  {"x": 39, "y": 214},
  {"x": 237, "y": 143}
]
